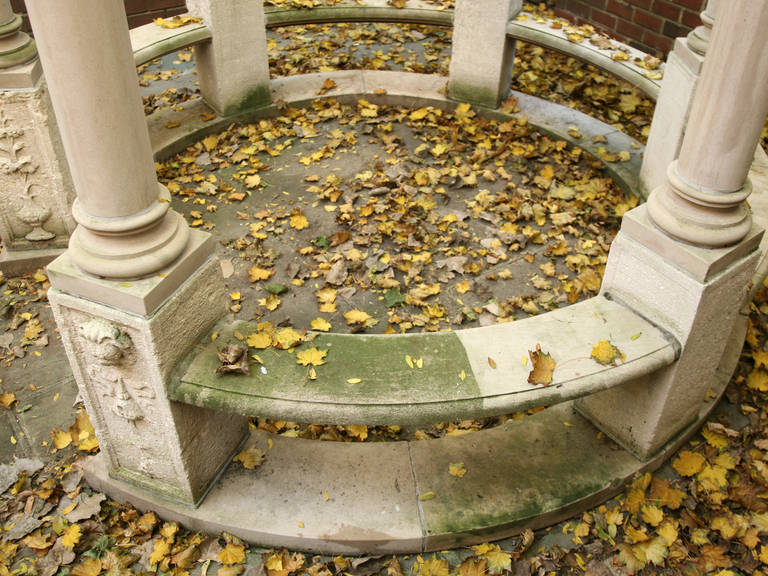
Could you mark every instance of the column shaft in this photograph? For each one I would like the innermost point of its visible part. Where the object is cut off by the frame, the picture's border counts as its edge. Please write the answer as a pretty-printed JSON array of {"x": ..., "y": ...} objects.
[
  {"x": 126, "y": 228},
  {"x": 731, "y": 102},
  {"x": 702, "y": 201}
]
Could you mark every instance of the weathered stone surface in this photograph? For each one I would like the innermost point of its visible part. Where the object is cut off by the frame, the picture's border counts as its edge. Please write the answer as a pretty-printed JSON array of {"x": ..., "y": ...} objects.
[
  {"x": 123, "y": 364},
  {"x": 465, "y": 374},
  {"x": 35, "y": 187}
]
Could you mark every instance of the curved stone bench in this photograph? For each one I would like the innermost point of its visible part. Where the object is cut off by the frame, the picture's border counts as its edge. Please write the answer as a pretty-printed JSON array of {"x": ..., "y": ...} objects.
[
  {"x": 152, "y": 41},
  {"x": 462, "y": 375}
]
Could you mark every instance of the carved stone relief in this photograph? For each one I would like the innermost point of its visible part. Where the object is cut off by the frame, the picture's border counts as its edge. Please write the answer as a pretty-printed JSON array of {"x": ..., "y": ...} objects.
[
  {"x": 35, "y": 187},
  {"x": 128, "y": 411}
]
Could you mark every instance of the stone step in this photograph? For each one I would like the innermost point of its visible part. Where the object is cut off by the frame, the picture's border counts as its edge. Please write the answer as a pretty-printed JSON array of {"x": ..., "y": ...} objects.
[
  {"x": 398, "y": 497},
  {"x": 368, "y": 379}
]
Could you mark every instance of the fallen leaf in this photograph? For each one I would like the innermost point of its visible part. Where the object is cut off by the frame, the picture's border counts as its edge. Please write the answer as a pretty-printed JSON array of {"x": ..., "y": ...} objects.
[
  {"x": 542, "y": 367},
  {"x": 311, "y": 357},
  {"x": 251, "y": 458}
]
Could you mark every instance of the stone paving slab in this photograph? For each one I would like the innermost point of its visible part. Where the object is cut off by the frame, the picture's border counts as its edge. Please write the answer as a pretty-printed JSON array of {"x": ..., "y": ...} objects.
[{"x": 325, "y": 497}]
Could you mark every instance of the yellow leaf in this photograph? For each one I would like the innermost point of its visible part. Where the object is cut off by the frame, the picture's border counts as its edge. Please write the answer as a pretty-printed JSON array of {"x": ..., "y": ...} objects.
[
  {"x": 259, "y": 340},
  {"x": 286, "y": 338},
  {"x": 311, "y": 356},
  {"x": 357, "y": 431},
  {"x": 356, "y": 317},
  {"x": 251, "y": 458},
  {"x": 255, "y": 273},
  {"x": 668, "y": 532},
  {"x": 320, "y": 324},
  {"x": 463, "y": 287},
  {"x": 542, "y": 367},
  {"x": 652, "y": 515},
  {"x": 253, "y": 181},
  {"x": 714, "y": 439},
  {"x": 62, "y": 439},
  {"x": 161, "y": 549},
  {"x": 88, "y": 567},
  {"x": 606, "y": 353},
  {"x": 427, "y": 496},
  {"x": 419, "y": 114},
  {"x": 232, "y": 553},
  {"x": 299, "y": 221},
  {"x": 7, "y": 399},
  {"x": 457, "y": 469},
  {"x": 688, "y": 463},
  {"x": 210, "y": 142},
  {"x": 763, "y": 554},
  {"x": 271, "y": 302},
  {"x": 235, "y": 296},
  {"x": 758, "y": 380},
  {"x": 354, "y": 380},
  {"x": 71, "y": 536},
  {"x": 491, "y": 362},
  {"x": 653, "y": 551},
  {"x": 433, "y": 567},
  {"x": 498, "y": 560},
  {"x": 712, "y": 478},
  {"x": 177, "y": 21},
  {"x": 439, "y": 149}
]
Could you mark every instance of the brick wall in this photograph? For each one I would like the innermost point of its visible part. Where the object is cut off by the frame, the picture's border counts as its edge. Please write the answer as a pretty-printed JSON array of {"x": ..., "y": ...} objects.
[
  {"x": 139, "y": 11},
  {"x": 650, "y": 25}
]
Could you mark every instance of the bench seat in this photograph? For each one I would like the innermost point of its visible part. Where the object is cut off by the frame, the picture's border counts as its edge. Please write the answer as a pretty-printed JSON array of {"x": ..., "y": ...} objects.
[{"x": 494, "y": 362}]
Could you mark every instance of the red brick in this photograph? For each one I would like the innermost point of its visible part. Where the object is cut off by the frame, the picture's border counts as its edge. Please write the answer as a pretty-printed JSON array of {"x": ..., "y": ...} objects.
[
  {"x": 579, "y": 8},
  {"x": 645, "y": 4},
  {"x": 697, "y": 5},
  {"x": 135, "y": 6},
  {"x": 657, "y": 41},
  {"x": 672, "y": 30},
  {"x": 135, "y": 20},
  {"x": 620, "y": 8},
  {"x": 629, "y": 30},
  {"x": 691, "y": 18},
  {"x": 604, "y": 19},
  {"x": 647, "y": 20},
  {"x": 666, "y": 10},
  {"x": 166, "y": 4},
  {"x": 175, "y": 11}
]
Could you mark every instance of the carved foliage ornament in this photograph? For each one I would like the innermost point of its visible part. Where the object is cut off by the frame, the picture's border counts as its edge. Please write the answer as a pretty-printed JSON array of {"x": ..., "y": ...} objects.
[
  {"x": 14, "y": 161},
  {"x": 110, "y": 354}
]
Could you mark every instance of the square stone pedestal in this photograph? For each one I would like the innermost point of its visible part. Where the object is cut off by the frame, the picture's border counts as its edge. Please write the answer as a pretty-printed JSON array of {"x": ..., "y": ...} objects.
[
  {"x": 36, "y": 192},
  {"x": 126, "y": 341},
  {"x": 696, "y": 295}
]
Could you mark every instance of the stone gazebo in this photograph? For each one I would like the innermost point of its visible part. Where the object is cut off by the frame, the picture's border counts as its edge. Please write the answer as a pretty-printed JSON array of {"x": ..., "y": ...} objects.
[{"x": 137, "y": 289}]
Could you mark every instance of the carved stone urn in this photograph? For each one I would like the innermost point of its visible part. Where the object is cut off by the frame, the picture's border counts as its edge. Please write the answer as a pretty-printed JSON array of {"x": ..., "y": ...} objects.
[{"x": 34, "y": 215}]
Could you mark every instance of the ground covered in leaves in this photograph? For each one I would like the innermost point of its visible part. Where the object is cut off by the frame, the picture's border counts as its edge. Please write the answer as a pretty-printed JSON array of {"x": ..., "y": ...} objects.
[{"x": 427, "y": 235}]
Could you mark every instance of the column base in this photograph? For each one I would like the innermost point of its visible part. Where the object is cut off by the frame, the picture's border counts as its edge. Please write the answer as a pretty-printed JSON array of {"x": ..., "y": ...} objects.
[{"x": 141, "y": 296}]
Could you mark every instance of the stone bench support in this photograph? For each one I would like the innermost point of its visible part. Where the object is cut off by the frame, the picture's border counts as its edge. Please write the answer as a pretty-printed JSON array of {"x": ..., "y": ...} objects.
[
  {"x": 233, "y": 68},
  {"x": 35, "y": 188},
  {"x": 136, "y": 288},
  {"x": 482, "y": 56},
  {"x": 685, "y": 259}
]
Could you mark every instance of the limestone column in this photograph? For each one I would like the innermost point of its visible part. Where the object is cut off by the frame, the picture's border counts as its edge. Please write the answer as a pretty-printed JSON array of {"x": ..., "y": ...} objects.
[
  {"x": 685, "y": 259},
  {"x": 233, "y": 68},
  {"x": 703, "y": 202},
  {"x": 137, "y": 288},
  {"x": 482, "y": 56},
  {"x": 35, "y": 190},
  {"x": 681, "y": 75}
]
